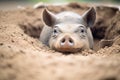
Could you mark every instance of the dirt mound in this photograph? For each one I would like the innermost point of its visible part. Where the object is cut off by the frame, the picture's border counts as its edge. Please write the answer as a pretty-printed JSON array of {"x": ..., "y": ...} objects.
[{"x": 24, "y": 57}]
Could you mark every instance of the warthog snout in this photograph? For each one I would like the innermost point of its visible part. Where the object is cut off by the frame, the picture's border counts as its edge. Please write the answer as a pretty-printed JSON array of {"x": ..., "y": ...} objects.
[{"x": 66, "y": 42}]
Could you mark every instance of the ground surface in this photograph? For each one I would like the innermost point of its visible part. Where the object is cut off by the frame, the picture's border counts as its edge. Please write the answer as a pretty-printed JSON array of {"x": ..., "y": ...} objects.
[{"x": 24, "y": 57}]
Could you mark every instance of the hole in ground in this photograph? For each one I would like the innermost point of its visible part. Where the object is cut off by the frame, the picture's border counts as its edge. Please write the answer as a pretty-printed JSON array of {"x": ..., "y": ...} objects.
[
  {"x": 101, "y": 30},
  {"x": 32, "y": 28}
]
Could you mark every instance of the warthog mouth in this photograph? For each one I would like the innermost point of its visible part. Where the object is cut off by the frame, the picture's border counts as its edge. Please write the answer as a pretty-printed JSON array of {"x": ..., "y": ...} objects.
[{"x": 69, "y": 50}]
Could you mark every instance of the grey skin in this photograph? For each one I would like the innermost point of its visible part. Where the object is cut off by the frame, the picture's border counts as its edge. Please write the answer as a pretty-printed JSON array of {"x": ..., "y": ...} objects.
[{"x": 67, "y": 31}]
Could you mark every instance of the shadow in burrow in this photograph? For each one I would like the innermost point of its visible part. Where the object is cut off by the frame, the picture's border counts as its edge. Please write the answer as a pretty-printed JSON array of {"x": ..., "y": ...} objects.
[{"x": 105, "y": 31}]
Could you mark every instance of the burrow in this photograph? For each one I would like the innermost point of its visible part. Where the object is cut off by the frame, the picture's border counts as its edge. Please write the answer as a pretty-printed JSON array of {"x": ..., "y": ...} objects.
[{"x": 105, "y": 31}]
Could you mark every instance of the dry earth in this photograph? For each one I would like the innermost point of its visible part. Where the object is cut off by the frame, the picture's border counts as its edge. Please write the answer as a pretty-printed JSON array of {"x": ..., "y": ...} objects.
[{"x": 24, "y": 57}]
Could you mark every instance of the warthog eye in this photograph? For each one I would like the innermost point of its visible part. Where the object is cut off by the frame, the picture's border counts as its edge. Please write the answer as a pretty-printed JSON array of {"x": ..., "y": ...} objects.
[
  {"x": 82, "y": 30},
  {"x": 55, "y": 31}
]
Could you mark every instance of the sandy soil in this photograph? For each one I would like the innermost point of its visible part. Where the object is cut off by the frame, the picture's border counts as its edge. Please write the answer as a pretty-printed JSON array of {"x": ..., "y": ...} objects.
[{"x": 24, "y": 57}]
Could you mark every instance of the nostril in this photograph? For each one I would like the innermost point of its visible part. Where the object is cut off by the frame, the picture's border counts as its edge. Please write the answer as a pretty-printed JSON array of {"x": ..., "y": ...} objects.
[
  {"x": 70, "y": 40},
  {"x": 63, "y": 40}
]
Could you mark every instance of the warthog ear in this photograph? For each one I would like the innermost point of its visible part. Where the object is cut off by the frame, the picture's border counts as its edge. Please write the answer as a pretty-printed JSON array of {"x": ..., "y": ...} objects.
[
  {"x": 48, "y": 18},
  {"x": 89, "y": 17}
]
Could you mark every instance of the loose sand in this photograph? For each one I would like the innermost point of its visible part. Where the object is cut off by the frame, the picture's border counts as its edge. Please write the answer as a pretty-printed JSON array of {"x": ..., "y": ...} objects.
[{"x": 24, "y": 57}]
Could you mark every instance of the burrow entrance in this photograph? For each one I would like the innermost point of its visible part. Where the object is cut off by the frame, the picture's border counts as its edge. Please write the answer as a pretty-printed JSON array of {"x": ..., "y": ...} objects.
[{"x": 105, "y": 31}]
